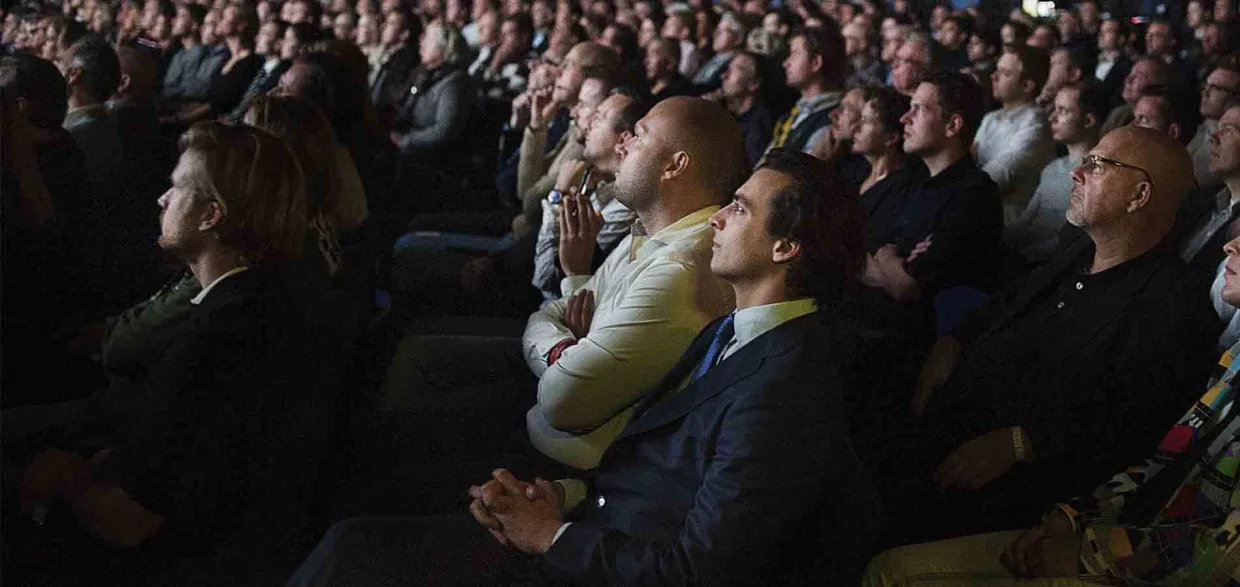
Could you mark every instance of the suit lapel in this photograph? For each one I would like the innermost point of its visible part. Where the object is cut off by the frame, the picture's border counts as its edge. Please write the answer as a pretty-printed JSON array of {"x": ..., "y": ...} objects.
[{"x": 724, "y": 376}]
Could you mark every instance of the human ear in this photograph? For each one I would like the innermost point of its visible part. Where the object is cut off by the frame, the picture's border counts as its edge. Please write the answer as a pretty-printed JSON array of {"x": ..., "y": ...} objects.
[{"x": 785, "y": 250}]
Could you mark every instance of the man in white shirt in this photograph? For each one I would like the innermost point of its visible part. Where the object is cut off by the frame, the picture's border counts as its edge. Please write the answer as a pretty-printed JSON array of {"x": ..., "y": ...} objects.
[
  {"x": 1014, "y": 142},
  {"x": 616, "y": 333}
]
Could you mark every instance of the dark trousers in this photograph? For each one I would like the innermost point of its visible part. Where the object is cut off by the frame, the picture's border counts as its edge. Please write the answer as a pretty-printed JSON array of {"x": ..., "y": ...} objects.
[{"x": 431, "y": 551}]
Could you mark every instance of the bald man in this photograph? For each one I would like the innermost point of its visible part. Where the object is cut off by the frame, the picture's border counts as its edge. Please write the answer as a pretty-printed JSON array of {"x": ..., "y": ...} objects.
[
  {"x": 736, "y": 470},
  {"x": 1078, "y": 367},
  {"x": 614, "y": 334}
]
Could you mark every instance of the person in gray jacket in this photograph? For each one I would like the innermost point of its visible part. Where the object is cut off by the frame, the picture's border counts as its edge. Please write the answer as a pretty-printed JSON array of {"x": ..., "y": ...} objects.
[{"x": 438, "y": 103}]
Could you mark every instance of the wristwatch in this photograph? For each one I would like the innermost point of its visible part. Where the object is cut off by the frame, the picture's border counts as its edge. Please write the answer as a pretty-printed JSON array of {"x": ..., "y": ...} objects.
[{"x": 555, "y": 196}]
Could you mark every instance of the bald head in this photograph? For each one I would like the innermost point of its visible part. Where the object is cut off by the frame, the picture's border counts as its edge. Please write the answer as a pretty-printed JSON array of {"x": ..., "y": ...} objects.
[
  {"x": 595, "y": 59},
  {"x": 1167, "y": 161},
  {"x": 1126, "y": 193},
  {"x": 713, "y": 140},
  {"x": 684, "y": 155}
]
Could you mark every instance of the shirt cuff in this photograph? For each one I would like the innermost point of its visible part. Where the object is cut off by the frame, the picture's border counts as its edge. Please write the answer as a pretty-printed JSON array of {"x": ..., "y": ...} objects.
[
  {"x": 574, "y": 493},
  {"x": 560, "y": 532},
  {"x": 569, "y": 285}
]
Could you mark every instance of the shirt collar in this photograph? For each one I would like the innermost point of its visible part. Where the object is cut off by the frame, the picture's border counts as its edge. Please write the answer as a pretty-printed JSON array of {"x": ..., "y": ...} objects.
[
  {"x": 80, "y": 113},
  {"x": 206, "y": 290},
  {"x": 751, "y": 323},
  {"x": 827, "y": 100},
  {"x": 670, "y": 234}
]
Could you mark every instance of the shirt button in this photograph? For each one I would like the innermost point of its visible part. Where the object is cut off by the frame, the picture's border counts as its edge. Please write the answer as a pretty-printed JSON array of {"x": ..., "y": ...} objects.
[
  {"x": 1059, "y": 305},
  {"x": 1079, "y": 286},
  {"x": 602, "y": 501}
]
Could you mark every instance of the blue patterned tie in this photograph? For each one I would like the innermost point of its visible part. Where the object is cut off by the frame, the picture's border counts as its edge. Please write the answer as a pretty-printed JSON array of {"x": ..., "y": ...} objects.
[{"x": 723, "y": 335}]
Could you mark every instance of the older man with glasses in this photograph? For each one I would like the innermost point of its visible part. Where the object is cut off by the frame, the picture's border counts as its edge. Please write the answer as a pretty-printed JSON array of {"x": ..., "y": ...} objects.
[
  {"x": 1075, "y": 371},
  {"x": 1222, "y": 87}
]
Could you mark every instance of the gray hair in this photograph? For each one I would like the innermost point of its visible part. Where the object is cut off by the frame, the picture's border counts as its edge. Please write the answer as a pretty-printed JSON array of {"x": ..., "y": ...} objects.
[{"x": 448, "y": 37}]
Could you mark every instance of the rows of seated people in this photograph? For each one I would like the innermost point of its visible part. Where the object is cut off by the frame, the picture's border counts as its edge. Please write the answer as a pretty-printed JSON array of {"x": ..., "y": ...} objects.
[{"x": 619, "y": 292}]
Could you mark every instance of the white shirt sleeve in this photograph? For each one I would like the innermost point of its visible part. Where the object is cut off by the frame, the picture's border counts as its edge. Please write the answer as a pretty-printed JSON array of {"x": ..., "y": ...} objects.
[{"x": 629, "y": 349}]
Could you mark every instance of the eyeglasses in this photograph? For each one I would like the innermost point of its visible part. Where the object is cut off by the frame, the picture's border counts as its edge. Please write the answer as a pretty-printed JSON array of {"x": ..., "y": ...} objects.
[{"x": 1093, "y": 162}]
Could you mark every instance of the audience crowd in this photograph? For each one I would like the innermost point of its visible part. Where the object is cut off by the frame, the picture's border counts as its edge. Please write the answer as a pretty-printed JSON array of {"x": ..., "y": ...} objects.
[{"x": 380, "y": 292}]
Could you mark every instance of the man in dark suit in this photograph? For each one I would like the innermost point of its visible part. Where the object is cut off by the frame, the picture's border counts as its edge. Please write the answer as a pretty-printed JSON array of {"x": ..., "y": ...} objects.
[
  {"x": 181, "y": 463},
  {"x": 1113, "y": 64},
  {"x": 736, "y": 469}
]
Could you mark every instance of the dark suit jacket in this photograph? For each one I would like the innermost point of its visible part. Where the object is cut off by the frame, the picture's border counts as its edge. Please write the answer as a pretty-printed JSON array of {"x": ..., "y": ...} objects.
[
  {"x": 1193, "y": 212},
  {"x": 745, "y": 477},
  {"x": 1114, "y": 81},
  {"x": 226, "y": 432}
]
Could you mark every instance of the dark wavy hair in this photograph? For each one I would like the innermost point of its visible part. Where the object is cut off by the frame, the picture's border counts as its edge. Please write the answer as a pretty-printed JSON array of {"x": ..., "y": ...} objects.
[{"x": 818, "y": 211}]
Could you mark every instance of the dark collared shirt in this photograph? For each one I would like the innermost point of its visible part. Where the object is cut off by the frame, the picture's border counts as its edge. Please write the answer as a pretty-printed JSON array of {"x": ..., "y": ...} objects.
[
  {"x": 885, "y": 201},
  {"x": 959, "y": 210},
  {"x": 1093, "y": 367}
]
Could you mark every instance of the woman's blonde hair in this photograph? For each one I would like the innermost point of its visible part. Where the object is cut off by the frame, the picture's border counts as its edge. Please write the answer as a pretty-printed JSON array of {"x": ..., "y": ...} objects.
[
  {"x": 308, "y": 134},
  {"x": 256, "y": 181}
]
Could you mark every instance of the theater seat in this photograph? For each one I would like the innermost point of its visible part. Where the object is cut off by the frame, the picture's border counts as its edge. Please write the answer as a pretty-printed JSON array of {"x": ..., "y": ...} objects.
[{"x": 951, "y": 304}]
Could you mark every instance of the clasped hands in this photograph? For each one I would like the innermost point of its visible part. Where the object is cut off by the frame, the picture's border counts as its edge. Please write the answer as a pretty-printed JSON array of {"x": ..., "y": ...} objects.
[{"x": 518, "y": 514}]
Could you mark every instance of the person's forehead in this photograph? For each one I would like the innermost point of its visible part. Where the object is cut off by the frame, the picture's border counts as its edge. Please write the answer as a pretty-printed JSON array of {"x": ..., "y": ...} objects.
[
  {"x": 762, "y": 186},
  {"x": 1067, "y": 97},
  {"x": 926, "y": 95}
]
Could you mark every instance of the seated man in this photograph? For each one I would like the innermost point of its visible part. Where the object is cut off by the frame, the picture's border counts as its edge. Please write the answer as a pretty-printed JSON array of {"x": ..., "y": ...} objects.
[
  {"x": 1014, "y": 142},
  {"x": 175, "y": 465},
  {"x": 615, "y": 333},
  {"x": 1076, "y": 368},
  {"x": 611, "y": 122},
  {"x": 1168, "y": 521},
  {"x": 948, "y": 233},
  {"x": 1075, "y": 120},
  {"x": 588, "y": 357},
  {"x": 1206, "y": 217},
  {"x": 736, "y": 470}
]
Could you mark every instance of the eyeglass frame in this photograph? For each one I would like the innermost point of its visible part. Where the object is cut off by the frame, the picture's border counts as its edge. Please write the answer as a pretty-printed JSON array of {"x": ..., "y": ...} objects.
[{"x": 1090, "y": 162}]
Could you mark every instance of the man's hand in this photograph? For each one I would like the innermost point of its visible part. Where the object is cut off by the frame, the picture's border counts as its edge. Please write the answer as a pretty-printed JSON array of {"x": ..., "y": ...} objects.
[
  {"x": 529, "y": 524},
  {"x": 542, "y": 109},
  {"x": 50, "y": 473},
  {"x": 580, "y": 313},
  {"x": 579, "y": 228},
  {"x": 520, "y": 109},
  {"x": 940, "y": 362},
  {"x": 112, "y": 515},
  {"x": 396, "y": 138},
  {"x": 570, "y": 175},
  {"x": 976, "y": 463},
  {"x": 1051, "y": 549}
]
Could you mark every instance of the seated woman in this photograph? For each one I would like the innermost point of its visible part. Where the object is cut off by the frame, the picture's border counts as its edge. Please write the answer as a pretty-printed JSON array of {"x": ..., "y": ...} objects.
[
  {"x": 437, "y": 104},
  {"x": 221, "y": 416},
  {"x": 331, "y": 201},
  {"x": 238, "y": 26}
]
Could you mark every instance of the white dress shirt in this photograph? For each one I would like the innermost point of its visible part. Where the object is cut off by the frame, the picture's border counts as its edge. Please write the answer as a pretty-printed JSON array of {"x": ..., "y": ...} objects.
[
  {"x": 1012, "y": 148},
  {"x": 202, "y": 295},
  {"x": 652, "y": 296}
]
